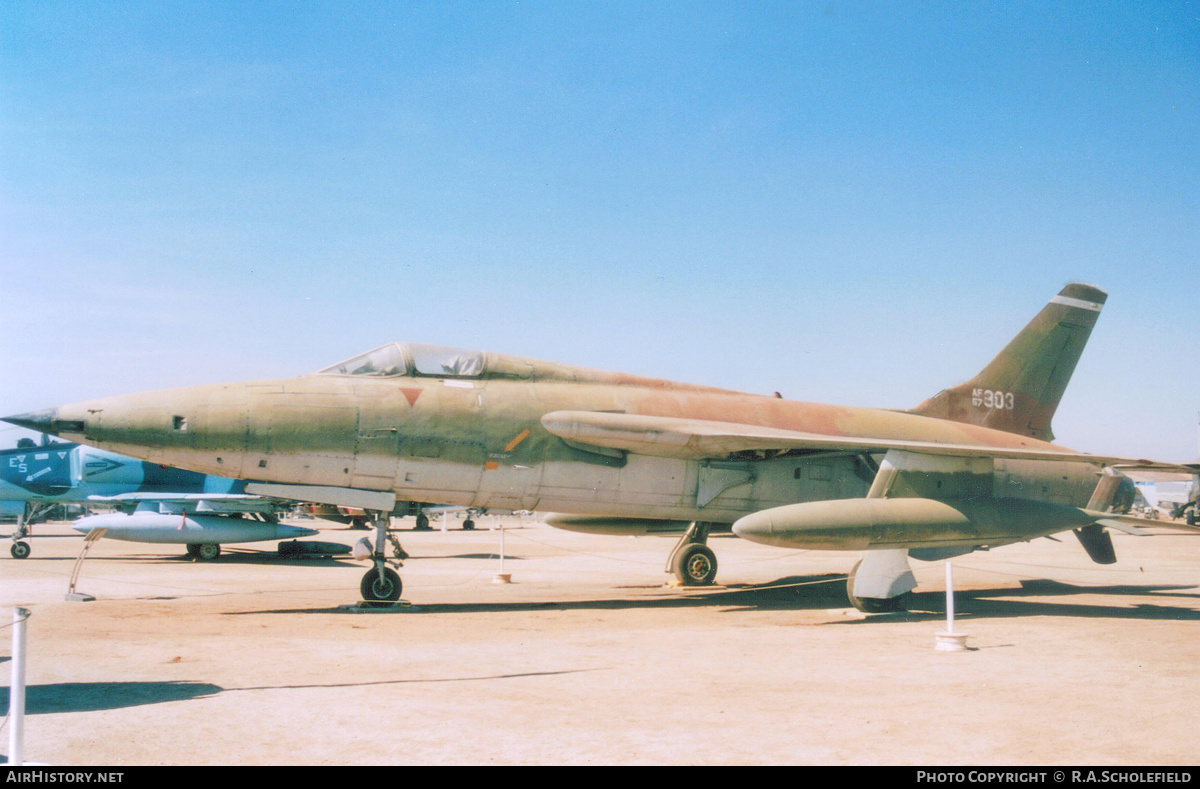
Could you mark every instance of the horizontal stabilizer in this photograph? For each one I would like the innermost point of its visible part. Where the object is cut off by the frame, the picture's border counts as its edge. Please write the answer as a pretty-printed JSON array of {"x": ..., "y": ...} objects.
[
  {"x": 1127, "y": 528},
  {"x": 1112, "y": 520}
]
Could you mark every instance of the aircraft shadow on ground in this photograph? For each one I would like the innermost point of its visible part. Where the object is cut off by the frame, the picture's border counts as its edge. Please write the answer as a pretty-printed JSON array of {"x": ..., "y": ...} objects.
[
  {"x": 239, "y": 558},
  {"x": 816, "y": 592},
  {"x": 1008, "y": 603},
  {"x": 98, "y": 696},
  {"x": 508, "y": 557},
  {"x": 268, "y": 557},
  {"x": 95, "y": 696},
  {"x": 801, "y": 592},
  {"x": 245, "y": 557}
]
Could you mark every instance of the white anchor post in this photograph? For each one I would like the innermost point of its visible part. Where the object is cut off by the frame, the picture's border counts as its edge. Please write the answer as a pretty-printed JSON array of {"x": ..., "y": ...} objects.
[
  {"x": 949, "y": 597},
  {"x": 502, "y": 577},
  {"x": 16, "y": 698},
  {"x": 949, "y": 641}
]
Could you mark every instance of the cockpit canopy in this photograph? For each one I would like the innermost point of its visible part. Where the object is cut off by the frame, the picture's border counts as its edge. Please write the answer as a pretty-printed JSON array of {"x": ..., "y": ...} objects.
[
  {"x": 395, "y": 358},
  {"x": 409, "y": 359}
]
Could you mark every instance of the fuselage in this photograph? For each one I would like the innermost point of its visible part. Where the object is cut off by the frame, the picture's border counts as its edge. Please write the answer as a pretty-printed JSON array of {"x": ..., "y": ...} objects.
[{"x": 475, "y": 439}]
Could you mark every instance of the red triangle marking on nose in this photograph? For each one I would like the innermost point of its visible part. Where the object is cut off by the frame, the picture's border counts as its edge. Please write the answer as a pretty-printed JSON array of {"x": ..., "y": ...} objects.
[{"x": 412, "y": 395}]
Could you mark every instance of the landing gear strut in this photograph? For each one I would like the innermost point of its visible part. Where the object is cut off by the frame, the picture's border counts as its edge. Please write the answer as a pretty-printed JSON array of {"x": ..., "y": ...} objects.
[
  {"x": 381, "y": 584},
  {"x": 692, "y": 562},
  {"x": 20, "y": 549}
]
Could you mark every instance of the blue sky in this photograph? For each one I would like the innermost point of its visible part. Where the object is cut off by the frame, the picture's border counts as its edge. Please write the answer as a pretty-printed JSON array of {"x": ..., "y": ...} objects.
[{"x": 846, "y": 202}]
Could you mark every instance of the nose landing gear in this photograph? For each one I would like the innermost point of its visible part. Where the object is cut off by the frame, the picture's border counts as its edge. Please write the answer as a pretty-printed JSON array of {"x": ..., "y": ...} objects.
[
  {"x": 381, "y": 584},
  {"x": 20, "y": 549}
]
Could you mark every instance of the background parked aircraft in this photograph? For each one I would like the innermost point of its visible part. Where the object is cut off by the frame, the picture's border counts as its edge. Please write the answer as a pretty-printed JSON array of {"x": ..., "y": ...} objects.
[{"x": 156, "y": 503}]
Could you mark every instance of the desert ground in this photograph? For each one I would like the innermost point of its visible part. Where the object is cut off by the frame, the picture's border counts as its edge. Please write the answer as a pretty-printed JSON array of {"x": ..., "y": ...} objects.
[{"x": 589, "y": 657}]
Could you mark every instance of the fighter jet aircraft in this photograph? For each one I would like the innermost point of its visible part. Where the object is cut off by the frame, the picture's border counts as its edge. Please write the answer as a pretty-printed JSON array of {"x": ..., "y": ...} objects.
[
  {"x": 160, "y": 504},
  {"x": 971, "y": 467}
]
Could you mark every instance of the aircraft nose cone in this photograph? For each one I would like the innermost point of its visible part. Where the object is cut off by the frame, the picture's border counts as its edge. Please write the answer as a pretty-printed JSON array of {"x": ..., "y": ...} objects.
[{"x": 39, "y": 421}]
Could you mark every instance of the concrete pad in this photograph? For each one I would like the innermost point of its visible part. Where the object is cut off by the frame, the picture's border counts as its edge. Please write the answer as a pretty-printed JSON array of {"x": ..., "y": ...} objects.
[{"x": 588, "y": 657}]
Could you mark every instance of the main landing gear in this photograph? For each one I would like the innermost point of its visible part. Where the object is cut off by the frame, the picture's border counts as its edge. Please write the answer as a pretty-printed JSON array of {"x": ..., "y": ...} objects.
[
  {"x": 692, "y": 562},
  {"x": 204, "y": 551},
  {"x": 381, "y": 584},
  {"x": 880, "y": 582}
]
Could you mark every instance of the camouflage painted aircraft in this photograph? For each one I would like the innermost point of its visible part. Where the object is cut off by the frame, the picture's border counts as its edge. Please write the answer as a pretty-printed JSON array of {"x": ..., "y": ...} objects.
[
  {"x": 155, "y": 498},
  {"x": 970, "y": 468}
]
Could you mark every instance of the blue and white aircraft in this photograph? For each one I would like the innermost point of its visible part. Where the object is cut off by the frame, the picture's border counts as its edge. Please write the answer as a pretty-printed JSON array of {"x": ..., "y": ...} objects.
[{"x": 159, "y": 504}]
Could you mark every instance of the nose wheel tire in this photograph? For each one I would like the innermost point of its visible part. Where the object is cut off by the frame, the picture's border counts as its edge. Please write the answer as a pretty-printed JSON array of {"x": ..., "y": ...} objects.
[
  {"x": 696, "y": 565},
  {"x": 468, "y": 524},
  {"x": 19, "y": 550},
  {"x": 380, "y": 585},
  {"x": 422, "y": 522}
]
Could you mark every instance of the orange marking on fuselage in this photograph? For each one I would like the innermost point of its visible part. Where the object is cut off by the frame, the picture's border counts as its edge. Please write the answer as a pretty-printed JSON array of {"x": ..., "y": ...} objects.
[
  {"x": 411, "y": 395},
  {"x": 511, "y": 445},
  {"x": 491, "y": 465}
]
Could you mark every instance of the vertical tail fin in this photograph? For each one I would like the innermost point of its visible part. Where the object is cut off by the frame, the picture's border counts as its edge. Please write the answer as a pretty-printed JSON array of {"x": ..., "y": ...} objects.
[{"x": 1019, "y": 390}]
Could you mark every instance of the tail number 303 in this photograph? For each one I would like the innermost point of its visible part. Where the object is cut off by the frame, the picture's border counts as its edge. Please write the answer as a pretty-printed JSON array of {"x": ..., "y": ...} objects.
[{"x": 992, "y": 398}]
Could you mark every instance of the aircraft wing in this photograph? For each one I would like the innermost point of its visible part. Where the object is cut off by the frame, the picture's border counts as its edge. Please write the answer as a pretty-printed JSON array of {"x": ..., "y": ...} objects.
[
  {"x": 199, "y": 502},
  {"x": 134, "y": 496},
  {"x": 694, "y": 439}
]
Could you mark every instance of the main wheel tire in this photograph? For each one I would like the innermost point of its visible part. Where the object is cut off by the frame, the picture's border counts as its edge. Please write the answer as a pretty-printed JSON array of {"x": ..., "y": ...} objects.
[
  {"x": 208, "y": 551},
  {"x": 880, "y": 605},
  {"x": 696, "y": 565},
  {"x": 422, "y": 522},
  {"x": 468, "y": 525},
  {"x": 193, "y": 550},
  {"x": 20, "y": 550},
  {"x": 874, "y": 605},
  {"x": 380, "y": 587}
]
